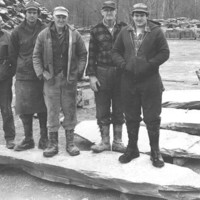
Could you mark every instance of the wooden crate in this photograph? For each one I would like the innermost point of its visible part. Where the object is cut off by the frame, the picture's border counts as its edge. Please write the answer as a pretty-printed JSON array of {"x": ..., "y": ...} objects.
[
  {"x": 85, "y": 96},
  {"x": 187, "y": 34},
  {"x": 172, "y": 34}
]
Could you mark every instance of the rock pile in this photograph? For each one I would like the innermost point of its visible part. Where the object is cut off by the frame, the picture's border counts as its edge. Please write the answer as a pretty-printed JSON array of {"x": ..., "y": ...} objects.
[{"x": 12, "y": 12}]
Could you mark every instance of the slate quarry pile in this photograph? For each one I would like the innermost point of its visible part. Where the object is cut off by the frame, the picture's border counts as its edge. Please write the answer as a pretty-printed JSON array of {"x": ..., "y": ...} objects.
[{"x": 12, "y": 13}]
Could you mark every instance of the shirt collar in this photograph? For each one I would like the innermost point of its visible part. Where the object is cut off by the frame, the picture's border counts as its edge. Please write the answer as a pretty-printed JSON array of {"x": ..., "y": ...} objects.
[
  {"x": 53, "y": 28},
  {"x": 106, "y": 25}
]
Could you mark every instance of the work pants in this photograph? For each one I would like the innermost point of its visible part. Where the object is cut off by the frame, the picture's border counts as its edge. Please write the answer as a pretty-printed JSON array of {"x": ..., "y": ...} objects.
[
  {"x": 60, "y": 95},
  {"x": 108, "y": 98},
  {"x": 6, "y": 110}
]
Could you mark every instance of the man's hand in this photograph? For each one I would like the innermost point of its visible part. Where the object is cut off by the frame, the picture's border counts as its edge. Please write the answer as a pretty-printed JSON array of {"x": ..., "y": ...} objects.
[
  {"x": 94, "y": 83},
  {"x": 40, "y": 77}
]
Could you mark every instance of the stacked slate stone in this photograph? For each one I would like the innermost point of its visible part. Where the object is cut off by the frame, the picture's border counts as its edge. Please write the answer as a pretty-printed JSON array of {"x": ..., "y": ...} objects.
[{"x": 12, "y": 12}]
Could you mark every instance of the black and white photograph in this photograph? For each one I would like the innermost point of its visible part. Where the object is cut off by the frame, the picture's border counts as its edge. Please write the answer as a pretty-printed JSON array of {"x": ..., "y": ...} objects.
[{"x": 100, "y": 99}]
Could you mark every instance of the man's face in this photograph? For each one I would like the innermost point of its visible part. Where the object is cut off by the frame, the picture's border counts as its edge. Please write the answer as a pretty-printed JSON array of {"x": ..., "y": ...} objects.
[
  {"x": 60, "y": 20},
  {"x": 140, "y": 19},
  {"x": 109, "y": 13},
  {"x": 32, "y": 15}
]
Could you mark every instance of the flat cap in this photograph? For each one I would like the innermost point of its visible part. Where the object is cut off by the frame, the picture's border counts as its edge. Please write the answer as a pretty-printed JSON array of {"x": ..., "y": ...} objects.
[
  {"x": 109, "y": 4},
  {"x": 32, "y": 5},
  {"x": 140, "y": 7},
  {"x": 60, "y": 10}
]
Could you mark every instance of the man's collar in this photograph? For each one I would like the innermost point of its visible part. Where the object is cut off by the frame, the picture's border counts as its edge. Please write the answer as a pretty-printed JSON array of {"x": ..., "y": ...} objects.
[{"x": 132, "y": 28}]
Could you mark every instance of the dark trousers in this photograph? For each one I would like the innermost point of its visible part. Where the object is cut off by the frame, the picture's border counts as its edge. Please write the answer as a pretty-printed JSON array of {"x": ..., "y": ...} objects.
[
  {"x": 108, "y": 98},
  {"x": 145, "y": 96},
  {"x": 6, "y": 110}
]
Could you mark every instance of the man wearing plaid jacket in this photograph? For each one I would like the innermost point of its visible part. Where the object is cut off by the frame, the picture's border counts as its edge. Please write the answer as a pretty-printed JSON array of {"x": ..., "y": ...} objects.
[{"x": 105, "y": 79}]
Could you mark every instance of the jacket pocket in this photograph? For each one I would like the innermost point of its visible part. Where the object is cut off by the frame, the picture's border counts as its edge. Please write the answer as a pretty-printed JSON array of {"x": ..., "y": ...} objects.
[
  {"x": 142, "y": 65},
  {"x": 25, "y": 66},
  {"x": 131, "y": 64}
]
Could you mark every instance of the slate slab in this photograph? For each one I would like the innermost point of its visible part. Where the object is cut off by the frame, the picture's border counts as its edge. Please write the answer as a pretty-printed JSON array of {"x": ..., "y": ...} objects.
[
  {"x": 104, "y": 171},
  {"x": 181, "y": 99},
  {"x": 181, "y": 96},
  {"x": 181, "y": 120}
]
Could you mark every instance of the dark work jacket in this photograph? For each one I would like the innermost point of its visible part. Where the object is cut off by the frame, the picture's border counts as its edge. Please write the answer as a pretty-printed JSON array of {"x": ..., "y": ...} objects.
[
  {"x": 152, "y": 52},
  {"x": 22, "y": 42}
]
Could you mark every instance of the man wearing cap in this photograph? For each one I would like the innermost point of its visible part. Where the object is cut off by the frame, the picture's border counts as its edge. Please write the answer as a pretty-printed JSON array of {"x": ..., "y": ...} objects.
[
  {"x": 6, "y": 74},
  {"x": 139, "y": 51},
  {"x": 59, "y": 58},
  {"x": 105, "y": 79},
  {"x": 28, "y": 88}
]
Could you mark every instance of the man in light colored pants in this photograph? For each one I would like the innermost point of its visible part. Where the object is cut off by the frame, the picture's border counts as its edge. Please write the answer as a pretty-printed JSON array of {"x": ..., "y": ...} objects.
[
  {"x": 59, "y": 58},
  {"x": 60, "y": 95}
]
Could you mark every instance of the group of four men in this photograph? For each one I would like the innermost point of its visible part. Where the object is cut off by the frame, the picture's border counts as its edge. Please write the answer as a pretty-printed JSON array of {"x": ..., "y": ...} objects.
[{"x": 123, "y": 68}]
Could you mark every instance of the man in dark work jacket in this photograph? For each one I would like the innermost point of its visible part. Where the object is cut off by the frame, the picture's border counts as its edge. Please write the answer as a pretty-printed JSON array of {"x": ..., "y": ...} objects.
[
  {"x": 139, "y": 51},
  {"x": 28, "y": 88}
]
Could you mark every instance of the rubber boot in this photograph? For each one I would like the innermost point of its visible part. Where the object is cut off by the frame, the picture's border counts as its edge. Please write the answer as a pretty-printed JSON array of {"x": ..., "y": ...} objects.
[
  {"x": 105, "y": 140},
  {"x": 132, "y": 148},
  {"x": 71, "y": 148},
  {"x": 156, "y": 157},
  {"x": 43, "y": 141},
  {"x": 27, "y": 142},
  {"x": 117, "y": 144},
  {"x": 52, "y": 147}
]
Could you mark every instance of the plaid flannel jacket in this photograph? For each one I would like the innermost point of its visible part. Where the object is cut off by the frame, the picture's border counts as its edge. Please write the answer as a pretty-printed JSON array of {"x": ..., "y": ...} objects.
[{"x": 100, "y": 46}]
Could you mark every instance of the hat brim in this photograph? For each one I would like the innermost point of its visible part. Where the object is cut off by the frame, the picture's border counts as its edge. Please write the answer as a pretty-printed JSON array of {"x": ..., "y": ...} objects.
[
  {"x": 59, "y": 12},
  {"x": 33, "y": 8},
  {"x": 108, "y": 7},
  {"x": 141, "y": 11}
]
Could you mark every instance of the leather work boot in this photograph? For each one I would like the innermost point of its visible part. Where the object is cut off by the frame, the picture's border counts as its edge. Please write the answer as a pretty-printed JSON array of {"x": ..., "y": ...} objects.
[
  {"x": 105, "y": 140},
  {"x": 43, "y": 141},
  {"x": 25, "y": 145},
  {"x": 27, "y": 142},
  {"x": 52, "y": 147},
  {"x": 117, "y": 144},
  {"x": 130, "y": 153},
  {"x": 71, "y": 148},
  {"x": 132, "y": 150},
  {"x": 10, "y": 144},
  {"x": 154, "y": 132}
]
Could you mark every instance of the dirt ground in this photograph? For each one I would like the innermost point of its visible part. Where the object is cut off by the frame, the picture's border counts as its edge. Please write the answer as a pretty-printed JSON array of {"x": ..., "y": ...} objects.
[{"x": 178, "y": 73}]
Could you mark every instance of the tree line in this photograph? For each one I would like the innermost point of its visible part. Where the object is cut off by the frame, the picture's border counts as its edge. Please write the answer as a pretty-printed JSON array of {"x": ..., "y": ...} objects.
[{"x": 87, "y": 12}]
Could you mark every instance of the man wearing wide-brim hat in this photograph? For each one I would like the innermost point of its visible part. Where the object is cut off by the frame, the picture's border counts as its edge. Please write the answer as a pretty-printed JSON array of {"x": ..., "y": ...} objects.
[
  {"x": 105, "y": 79},
  {"x": 59, "y": 58},
  {"x": 139, "y": 51},
  {"x": 28, "y": 88}
]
